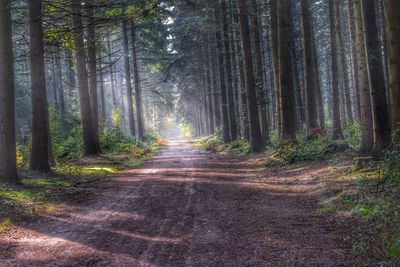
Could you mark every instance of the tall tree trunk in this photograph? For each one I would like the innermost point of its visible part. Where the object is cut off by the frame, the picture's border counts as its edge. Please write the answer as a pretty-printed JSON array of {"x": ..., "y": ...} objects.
[
  {"x": 344, "y": 67},
  {"x": 102, "y": 94},
  {"x": 128, "y": 79},
  {"x": 254, "y": 121},
  {"x": 60, "y": 86},
  {"x": 8, "y": 170},
  {"x": 298, "y": 90},
  {"x": 261, "y": 96},
  {"x": 392, "y": 8},
  {"x": 40, "y": 115},
  {"x": 241, "y": 90},
  {"x": 211, "y": 87},
  {"x": 91, "y": 146},
  {"x": 53, "y": 81},
  {"x": 317, "y": 80},
  {"x": 286, "y": 86},
  {"x": 380, "y": 110},
  {"x": 112, "y": 75},
  {"x": 337, "y": 124},
  {"x": 367, "y": 132},
  {"x": 275, "y": 60},
  {"x": 222, "y": 78},
  {"x": 217, "y": 95},
  {"x": 92, "y": 69},
  {"x": 228, "y": 72},
  {"x": 138, "y": 89},
  {"x": 71, "y": 79},
  {"x": 309, "y": 71},
  {"x": 353, "y": 44}
]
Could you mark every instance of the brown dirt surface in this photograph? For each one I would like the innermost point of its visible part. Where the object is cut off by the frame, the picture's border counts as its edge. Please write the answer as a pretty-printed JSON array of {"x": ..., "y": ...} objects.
[{"x": 187, "y": 207}]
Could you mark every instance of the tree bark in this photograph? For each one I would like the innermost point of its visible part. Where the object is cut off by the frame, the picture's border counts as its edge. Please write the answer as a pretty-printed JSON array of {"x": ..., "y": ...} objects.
[
  {"x": 228, "y": 72},
  {"x": 367, "y": 132},
  {"x": 309, "y": 72},
  {"x": 61, "y": 99},
  {"x": 286, "y": 85},
  {"x": 211, "y": 87},
  {"x": 92, "y": 68},
  {"x": 380, "y": 111},
  {"x": 90, "y": 145},
  {"x": 343, "y": 67},
  {"x": 112, "y": 75},
  {"x": 261, "y": 96},
  {"x": 275, "y": 60},
  {"x": 138, "y": 89},
  {"x": 102, "y": 94},
  {"x": 40, "y": 115},
  {"x": 254, "y": 121},
  {"x": 392, "y": 8},
  {"x": 353, "y": 44},
  {"x": 337, "y": 124},
  {"x": 128, "y": 79},
  {"x": 222, "y": 80},
  {"x": 8, "y": 170}
]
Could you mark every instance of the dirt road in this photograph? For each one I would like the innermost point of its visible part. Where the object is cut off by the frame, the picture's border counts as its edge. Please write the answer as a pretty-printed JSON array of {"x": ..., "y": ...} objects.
[{"x": 185, "y": 207}]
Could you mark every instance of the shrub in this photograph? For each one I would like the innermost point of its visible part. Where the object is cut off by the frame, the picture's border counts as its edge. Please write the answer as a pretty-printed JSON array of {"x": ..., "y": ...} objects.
[
  {"x": 240, "y": 146},
  {"x": 212, "y": 142},
  {"x": 70, "y": 148},
  {"x": 352, "y": 135},
  {"x": 391, "y": 166},
  {"x": 23, "y": 156},
  {"x": 151, "y": 137},
  {"x": 114, "y": 141},
  {"x": 308, "y": 150}
]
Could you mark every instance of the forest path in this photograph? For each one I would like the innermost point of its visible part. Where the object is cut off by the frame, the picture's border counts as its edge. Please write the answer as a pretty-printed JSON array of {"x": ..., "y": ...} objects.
[{"x": 185, "y": 207}]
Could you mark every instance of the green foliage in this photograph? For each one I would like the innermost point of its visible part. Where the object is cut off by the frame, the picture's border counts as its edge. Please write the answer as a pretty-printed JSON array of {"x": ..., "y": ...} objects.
[
  {"x": 391, "y": 166},
  {"x": 240, "y": 146},
  {"x": 71, "y": 147},
  {"x": 376, "y": 202},
  {"x": 117, "y": 118},
  {"x": 212, "y": 142},
  {"x": 186, "y": 129},
  {"x": 215, "y": 144},
  {"x": 274, "y": 140},
  {"x": 352, "y": 135},
  {"x": 23, "y": 156},
  {"x": 151, "y": 137},
  {"x": 312, "y": 149},
  {"x": 114, "y": 141}
]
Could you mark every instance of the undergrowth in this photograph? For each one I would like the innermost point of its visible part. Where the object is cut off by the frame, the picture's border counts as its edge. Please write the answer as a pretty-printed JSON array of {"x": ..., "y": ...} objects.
[
  {"x": 314, "y": 146},
  {"x": 40, "y": 193},
  {"x": 215, "y": 143},
  {"x": 372, "y": 197}
]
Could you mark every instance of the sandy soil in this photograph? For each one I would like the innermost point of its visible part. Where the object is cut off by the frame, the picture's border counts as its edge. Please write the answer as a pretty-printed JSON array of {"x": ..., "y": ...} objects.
[{"x": 187, "y": 207}]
